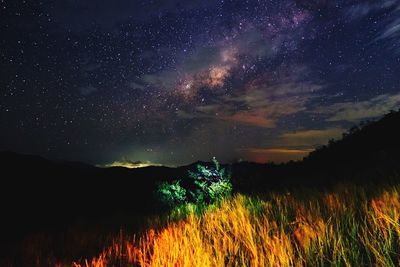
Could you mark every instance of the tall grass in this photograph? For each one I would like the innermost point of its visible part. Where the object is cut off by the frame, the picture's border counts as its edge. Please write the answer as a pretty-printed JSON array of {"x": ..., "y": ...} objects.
[{"x": 349, "y": 226}]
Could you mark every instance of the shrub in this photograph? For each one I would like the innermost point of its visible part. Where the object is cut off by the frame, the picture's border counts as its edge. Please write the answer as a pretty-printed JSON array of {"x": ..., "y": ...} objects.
[
  {"x": 208, "y": 184},
  {"x": 212, "y": 183},
  {"x": 171, "y": 194}
]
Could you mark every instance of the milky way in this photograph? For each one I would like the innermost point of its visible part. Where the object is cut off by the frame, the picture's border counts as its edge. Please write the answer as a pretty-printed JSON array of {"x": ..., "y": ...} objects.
[{"x": 172, "y": 82}]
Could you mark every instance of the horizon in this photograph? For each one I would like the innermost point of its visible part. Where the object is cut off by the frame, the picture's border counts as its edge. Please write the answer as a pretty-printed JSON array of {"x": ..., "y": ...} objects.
[{"x": 128, "y": 164}]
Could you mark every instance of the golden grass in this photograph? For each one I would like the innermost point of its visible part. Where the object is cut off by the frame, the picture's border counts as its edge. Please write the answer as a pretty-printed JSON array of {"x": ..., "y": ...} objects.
[{"x": 341, "y": 228}]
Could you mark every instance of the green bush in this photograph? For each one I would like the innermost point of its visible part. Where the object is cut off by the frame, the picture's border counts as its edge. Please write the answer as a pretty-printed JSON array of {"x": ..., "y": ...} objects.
[
  {"x": 171, "y": 194},
  {"x": 212, "y": 183},
  {"x": 206, "y": 185}
]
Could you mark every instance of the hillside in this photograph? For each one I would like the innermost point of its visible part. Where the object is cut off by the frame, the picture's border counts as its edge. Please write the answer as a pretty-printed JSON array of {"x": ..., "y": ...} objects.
[
  {"x": 370, "y": 143},
  {"x": 366, "y": 153}
]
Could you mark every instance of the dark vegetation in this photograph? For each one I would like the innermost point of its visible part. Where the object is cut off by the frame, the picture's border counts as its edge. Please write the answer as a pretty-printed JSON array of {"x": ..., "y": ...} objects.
[
  {"x": 365, "y": 154},
  {"x": 38, "y": 195},
  {"x": 204, "y": 186}
]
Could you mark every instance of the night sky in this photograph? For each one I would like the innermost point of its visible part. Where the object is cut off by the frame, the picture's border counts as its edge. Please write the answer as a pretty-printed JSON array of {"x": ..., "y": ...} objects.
[{"x": 172, "y": 82}]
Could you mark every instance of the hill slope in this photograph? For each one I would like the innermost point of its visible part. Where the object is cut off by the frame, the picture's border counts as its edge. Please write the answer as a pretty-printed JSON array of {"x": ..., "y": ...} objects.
[{"x": 366, "y": 153}]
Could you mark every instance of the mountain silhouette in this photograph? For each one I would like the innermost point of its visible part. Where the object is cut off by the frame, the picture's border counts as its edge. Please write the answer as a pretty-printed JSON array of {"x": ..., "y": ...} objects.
[{"x": 366, "y": 153}]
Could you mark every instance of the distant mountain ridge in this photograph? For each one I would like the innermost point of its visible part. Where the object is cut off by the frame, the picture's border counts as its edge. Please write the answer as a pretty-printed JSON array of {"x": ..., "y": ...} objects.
[
  {"x": 381, "y": 137},
  {"x": 371, "y": 142}
]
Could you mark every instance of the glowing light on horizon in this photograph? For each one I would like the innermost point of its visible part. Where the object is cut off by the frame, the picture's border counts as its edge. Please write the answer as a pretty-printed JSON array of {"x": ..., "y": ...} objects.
[{"x": 130, "y": 165}]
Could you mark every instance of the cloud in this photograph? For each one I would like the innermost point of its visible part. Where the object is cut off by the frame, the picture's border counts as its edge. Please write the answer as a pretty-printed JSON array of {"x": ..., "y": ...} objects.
[
  {"x": 137, "y": 85},
  {"x": 276, "y": 155},
  {"x": 262, "y": 101},
  {"x": 388, "y": 26},
  {"x": 310, "y": 138},
  {"x": 358, "y": 11},
  {"x": 87, "y": 90},
  {"x": 286, "y": 81},
  {"x": 260, "y": 110},
  {"x": 162, "y": 80},
  {"x": 364, "y": 8},
  {"x": 391, "y": 31},
  {"x": 293, "y": 145},
  {"x": 356, "y": 111},
  {"x": 251, "y": 118}
]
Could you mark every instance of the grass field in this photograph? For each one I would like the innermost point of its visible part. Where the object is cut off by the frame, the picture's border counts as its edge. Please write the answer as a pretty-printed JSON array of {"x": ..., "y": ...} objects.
[{"x": 346, "y": 226}]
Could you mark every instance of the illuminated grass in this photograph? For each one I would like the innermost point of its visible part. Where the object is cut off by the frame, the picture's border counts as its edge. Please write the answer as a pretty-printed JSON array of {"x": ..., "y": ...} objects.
[{"x": 346, "y": 227}]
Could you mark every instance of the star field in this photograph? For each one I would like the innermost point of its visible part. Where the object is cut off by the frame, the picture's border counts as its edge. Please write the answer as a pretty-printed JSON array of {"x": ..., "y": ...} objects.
[{"x": 172, "y": 82}]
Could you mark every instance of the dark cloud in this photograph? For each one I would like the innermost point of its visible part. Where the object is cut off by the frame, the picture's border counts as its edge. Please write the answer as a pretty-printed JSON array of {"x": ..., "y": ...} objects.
[
  {"x": 87, "y": 90},
  {"x": 262, "y": 101},
  {"x": 277, "y": 155},
  {"x": 360, "y": 110}
]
